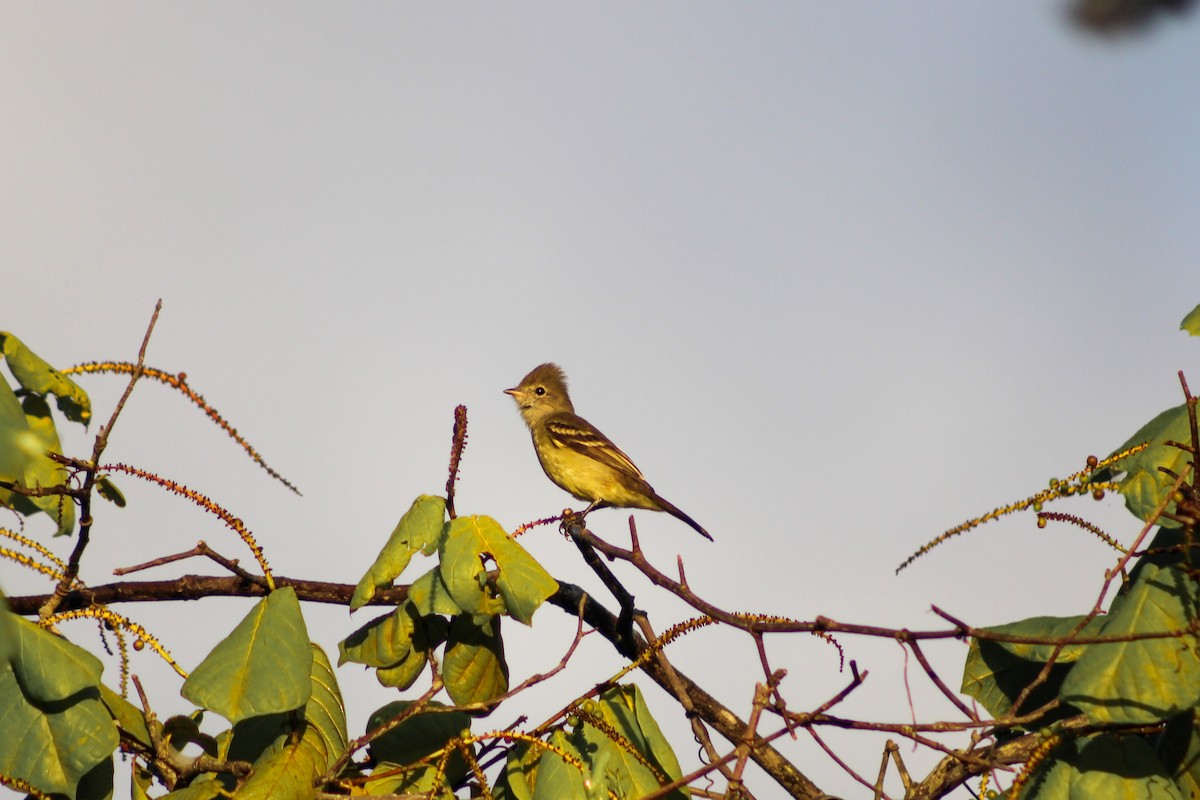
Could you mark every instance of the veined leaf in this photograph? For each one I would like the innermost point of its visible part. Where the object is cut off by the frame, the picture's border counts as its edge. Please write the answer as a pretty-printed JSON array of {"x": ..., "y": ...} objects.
[
  {"x": 262, "y": 667},
  {"x": 521, "y": 586},
  {"x": 417, "y": 531}
]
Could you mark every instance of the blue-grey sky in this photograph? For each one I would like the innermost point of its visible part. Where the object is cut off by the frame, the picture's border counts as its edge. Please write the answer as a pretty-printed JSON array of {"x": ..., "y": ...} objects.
[{"x": 836, "y": 276}]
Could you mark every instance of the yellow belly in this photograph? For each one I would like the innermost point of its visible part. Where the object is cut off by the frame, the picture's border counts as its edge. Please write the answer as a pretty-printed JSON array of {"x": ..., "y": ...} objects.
[{"x": 591, "y": 480}]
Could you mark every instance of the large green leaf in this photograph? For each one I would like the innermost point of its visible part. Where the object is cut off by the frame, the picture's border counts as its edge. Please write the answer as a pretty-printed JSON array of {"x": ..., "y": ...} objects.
[
  {"x": 49, "y": 667},
  {"x": 324, "y": 721},
  {"x": 417, "y": 531},
  {"x": 285, "y": 765},
  {"x": 521, "y": 586},
  {"x": 34, "y": 374},
  {"x": 419, "y": 735},
  {"x": 286, "y": 774},
  {"x": 1143, "y": 680},
  {"x": 619, "y": 744},
  {"x": 52, "y": 744},
  {"x": 325, "y": 712},
  {"x": 409, "y": 742},
  {"x": 1103, "y": 766},
  {"x": 620, "y": 762},
  {"x": 473, "y": 667},
  {"x": 997, "y": 672},
  {"x": 556, "y": 778},
  {"x": 255, "y": 738},
  {"x": 262, "y": 667}
]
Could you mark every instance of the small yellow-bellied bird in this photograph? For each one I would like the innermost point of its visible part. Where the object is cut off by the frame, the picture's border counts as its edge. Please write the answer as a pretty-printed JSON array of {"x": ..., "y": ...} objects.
[{"x": 576, "y": 456}]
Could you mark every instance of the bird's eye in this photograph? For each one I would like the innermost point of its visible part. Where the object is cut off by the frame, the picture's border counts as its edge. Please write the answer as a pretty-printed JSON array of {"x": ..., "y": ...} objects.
[{"x": 539, "y": 391}]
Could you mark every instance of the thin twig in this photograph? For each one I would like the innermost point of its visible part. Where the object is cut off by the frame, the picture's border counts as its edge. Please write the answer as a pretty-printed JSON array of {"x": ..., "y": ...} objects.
[
  {"x": 937, "y": 681},
  {"x": 201, "y": 549},
  {"x": 762, "y": 691},
  {"x": 89, "y": 480}
]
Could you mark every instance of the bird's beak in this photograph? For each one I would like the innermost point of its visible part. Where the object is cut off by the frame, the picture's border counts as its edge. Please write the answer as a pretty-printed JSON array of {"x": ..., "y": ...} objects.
[{"x": 513, "y": 392}]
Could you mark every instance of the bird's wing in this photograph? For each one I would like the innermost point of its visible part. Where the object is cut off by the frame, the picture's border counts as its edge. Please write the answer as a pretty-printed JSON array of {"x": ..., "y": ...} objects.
[{"x": 575, "y": 432}]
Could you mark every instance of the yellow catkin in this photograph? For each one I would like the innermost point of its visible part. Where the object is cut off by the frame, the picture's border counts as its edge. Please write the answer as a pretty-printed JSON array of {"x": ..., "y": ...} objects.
[
  {"x": 116, "y": 621},
  {"x": 179, "y": 383}
]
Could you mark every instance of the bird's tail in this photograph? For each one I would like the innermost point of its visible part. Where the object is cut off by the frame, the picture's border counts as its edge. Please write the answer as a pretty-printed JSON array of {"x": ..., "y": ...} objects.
[{"x": 679, "y": 515}]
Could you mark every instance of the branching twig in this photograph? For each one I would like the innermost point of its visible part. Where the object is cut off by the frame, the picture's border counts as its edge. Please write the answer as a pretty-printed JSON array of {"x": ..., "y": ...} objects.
[{"x": 89, "y": 480}]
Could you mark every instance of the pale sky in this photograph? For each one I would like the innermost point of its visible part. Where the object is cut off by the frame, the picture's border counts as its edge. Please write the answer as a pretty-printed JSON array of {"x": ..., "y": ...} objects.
[{"x": 836, "y": 276}]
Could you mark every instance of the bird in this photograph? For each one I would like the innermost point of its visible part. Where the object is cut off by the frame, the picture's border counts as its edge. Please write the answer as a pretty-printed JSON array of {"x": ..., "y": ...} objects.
[{"x": 576, "y": 455}]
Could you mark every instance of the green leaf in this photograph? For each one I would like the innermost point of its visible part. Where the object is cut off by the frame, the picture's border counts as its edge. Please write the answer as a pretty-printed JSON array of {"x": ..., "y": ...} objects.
[
  {"x": 109, "y": 491},
  {"x": 997, "y": 672},
  {"x": 1144, "y": 680},
  {"x": 26, "y": 433},
  {"x": 523, "y": 582},
  {"x": 1103, "y": 766},
  {"x": 555, "y": 778},
  {"x": 97, "y": 782},
  {"x": 395, "y": 752},
  {"x": 257, "y": 737},
  {"x": 286, "y": 774},
  {"x": 325, "y": 711},
  {"x": 424, "y": 781},
  {"x": 622, "y": 750},
  {"x": 521, "y": 586},
  {"x": 520, "y": 772},
  {"x": 49, "y": 667},
  {"x": 8, "y": 630},
  {"x": 473, "y": 667},
  {"x": 1143, "y": 485},
  {"x": 1179, "y": 750},
  {"x": 403, "y": 675},
  {"x": 37, "y": 376},
  {"x": 40, "y": 471},
  {"x": 182, "y": 730},
  {"x": 622, "y": 763},
  {"x": 128, "y": 717},
  {"x": 424, "y": 733},
  {"x": 52, "y": 744},
  {"x": 1191, "y": 323},
  {"x": 429, "y": 595},
  {"x": 270, "y": 742},
  {"x": 429, "y": 633},
  {"x": 262, "y": 667},
  {"x": 418, "y": 530},
  {"x": 396, "y": 644},
  {"x": 199, "y": 790},
  {"x": 140, "y": 781},
  {"x": 17, "y": 445},
  {"x": 383, "y": 642}
]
